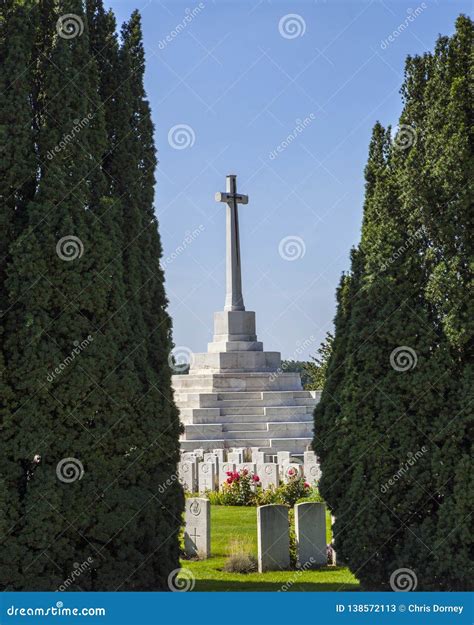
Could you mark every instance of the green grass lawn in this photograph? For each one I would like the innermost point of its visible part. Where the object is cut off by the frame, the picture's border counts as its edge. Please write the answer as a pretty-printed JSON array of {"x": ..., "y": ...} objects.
[{"x": 230, "y": 523}]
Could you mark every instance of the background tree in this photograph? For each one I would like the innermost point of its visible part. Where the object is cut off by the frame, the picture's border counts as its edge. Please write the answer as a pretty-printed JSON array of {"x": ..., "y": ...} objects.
[{"x": 316, "y": 368}]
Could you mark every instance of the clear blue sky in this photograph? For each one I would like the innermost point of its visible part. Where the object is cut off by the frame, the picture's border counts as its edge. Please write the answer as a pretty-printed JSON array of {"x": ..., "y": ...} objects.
[{"x": 239, "y": 77}]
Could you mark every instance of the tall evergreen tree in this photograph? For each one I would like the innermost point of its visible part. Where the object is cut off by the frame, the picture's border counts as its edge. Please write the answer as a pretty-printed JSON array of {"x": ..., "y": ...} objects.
[
  {"x": 88, "y": 400},
  {"x": 401, "y": 360}
]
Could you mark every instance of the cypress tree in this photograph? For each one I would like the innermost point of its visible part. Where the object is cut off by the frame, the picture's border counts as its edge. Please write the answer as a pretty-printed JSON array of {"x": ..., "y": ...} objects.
[
  {"x": 91, "y": 431},
  {"x": 400, "y": 365}
]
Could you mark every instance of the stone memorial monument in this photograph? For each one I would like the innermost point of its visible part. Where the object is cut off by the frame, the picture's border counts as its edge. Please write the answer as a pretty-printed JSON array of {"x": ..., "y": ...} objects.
[{"x": 236, "y": 394}]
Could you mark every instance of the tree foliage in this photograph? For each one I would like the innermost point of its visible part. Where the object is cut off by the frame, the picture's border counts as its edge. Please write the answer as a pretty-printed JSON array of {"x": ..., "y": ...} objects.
[
  {"x": 89, "y": 428},
  {"x": 394, "y": 425}
]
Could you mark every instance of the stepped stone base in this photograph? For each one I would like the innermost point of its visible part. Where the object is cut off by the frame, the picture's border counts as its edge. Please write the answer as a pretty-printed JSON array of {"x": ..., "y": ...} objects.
[{"x": 237, "y": 395}]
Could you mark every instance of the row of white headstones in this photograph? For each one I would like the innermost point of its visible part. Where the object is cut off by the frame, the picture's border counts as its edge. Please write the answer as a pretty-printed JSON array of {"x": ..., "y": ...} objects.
[
  {"x": 201, "y": 471},
  {"x": 272, "y": 533}
]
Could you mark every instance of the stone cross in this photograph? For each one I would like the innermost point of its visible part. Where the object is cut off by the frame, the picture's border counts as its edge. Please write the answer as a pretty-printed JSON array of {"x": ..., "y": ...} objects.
[{"x": 233, "y": 298}]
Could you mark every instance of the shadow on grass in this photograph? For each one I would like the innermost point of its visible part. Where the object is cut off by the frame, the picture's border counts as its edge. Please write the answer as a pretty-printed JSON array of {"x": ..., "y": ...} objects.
[{"x": 213, "y": 585}]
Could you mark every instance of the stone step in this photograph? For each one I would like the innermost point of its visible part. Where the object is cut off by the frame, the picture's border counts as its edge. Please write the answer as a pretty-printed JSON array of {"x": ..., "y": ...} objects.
[
  {"x": 243, "y": 381},
  {"x": 274, "y": 430},
  {"x": 288, "y": 410},
  {"x": 234, "y": 410},
  {"x": 293, "y": 445},
  {"x": 244, "y": 427},
  {"x": 246, "y": 418},
  {"x": 239, "y": 396}
]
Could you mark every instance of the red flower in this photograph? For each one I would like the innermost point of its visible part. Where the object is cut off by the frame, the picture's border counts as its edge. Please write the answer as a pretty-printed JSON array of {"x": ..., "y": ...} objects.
[
  {"x": 255, "y": 478},
  {"x": 229, "y": 480},
  {"x": 228, "y": 473},
  {"x": 306, "y": 485},
  {"x": 235, "y": 475},
  {"x": 291, "y": 471},
  {"x": 245, "y": 472}
]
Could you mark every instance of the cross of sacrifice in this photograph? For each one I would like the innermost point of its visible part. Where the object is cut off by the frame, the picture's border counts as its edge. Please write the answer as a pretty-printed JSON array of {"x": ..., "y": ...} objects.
[{"x": 233, "y": 297}]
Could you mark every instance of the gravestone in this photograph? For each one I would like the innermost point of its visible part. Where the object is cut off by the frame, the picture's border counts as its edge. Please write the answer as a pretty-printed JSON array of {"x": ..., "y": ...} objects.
[
  {"x": 268, "y": 474},
  {"x": 251, "y": 467},
  {"x": 207, "y": 476},
  {"x": 197, "y": 531},
  {"x": 220, "y": 453},
  {"x": 273, "y": 538},
  {"x": 312, "y": 472},
  {"x": 223, "y": 469},
  {"x": 211, "y": 457},
  {"x": 188, "y": 475},
  {"x": 235, "y": 456},
  {"x": 283, "y": 457},
  {"x": 199, "y": 453},
  {"x": 290, "y": 470},
  {"x": 189, "y": 456},
  {"x": 257, "y": 455},
  {"x": 310, "y": 528}
]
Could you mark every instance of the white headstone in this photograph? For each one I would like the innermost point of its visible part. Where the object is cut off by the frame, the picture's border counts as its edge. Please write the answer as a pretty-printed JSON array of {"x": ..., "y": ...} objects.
[
  {"x": 197, "y": 532},
  {"x": 220, "y": 453},
  {"x": 235, "y": 456},
  {"x": 223, "y": 469},
  {"x": 207, "y": 476},
  {"x": 188, "y": 456},
  {"x": 291, "y": 470},
  {"x": 268, "y": 474},
  {"x": 283, "y": 457},
  {"x": 187, "y": 472},
  {"x": 310, "y": 528},
  {"x": 251, "y": 467},
  {"x": 312, "y": 473},
  {"x": 257, "y": 455},
  {"x": 273, "y": 538},
  {"x": 211, "y": 457}
]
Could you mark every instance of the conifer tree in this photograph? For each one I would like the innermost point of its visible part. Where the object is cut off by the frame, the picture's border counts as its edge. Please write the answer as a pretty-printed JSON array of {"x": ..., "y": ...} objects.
[
  {"x": 395, "y": 467},
  {"x": 90, "y": 430}
]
